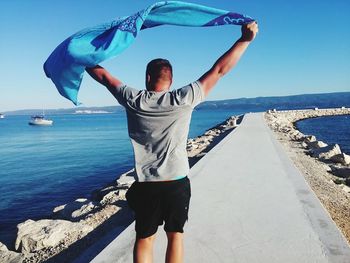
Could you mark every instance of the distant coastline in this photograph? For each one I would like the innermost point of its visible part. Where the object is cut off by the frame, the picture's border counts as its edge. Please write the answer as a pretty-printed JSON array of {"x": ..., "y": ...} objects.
[
  {"x": 304, "y": 101},
  {"x": 92, "y": 112}
]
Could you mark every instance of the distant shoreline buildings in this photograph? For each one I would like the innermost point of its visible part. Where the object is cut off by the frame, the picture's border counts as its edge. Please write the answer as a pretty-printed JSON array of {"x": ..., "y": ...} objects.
[{"x": 91, "y": 112}]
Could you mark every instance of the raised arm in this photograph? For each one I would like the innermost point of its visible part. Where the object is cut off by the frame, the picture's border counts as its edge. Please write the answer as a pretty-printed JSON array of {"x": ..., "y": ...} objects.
[
  {"x": 230, "y": 58},
  {"x": 102, "y": 76}
]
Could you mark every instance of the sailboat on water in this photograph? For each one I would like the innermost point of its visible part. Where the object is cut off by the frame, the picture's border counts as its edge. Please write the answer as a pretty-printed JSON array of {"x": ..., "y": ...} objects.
[{"x": 40, "y": 120}]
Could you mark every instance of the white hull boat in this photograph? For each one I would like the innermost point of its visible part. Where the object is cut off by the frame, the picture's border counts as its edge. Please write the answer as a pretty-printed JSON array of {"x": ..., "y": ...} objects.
[{"x": 40, "y": 121}]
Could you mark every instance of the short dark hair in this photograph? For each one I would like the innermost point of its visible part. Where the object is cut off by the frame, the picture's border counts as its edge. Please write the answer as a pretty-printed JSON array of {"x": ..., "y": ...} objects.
[{"x": 159, "y": 69}]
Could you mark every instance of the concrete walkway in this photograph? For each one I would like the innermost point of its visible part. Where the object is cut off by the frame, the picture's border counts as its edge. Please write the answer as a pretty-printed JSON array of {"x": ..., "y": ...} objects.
[{"x": 249, "y": 204}]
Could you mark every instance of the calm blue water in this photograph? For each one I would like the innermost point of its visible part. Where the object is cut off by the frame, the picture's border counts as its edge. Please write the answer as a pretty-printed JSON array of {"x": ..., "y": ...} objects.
[
  {"x": 43, "y": 167},
  {"x": 332, "y": 129}
]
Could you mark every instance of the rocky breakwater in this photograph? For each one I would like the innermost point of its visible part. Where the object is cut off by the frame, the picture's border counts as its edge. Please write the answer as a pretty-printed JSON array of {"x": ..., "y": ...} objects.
[
  {"x": 74, "y": 226},
  {"x": 40, "y": 240},
  {"x": 325, "y": 167}
]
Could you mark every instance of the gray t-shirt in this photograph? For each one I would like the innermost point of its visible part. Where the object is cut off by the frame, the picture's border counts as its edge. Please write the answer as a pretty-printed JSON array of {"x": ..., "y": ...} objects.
[{"x": 158, "y": 125}]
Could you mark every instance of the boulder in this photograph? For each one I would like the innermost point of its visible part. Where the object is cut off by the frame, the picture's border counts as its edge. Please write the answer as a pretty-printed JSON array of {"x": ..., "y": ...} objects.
[
  {"x": 223, "y": 127},
  {"x": 210, "y": 132},
  {"x": 297, "y": 135},
  {"x": 325, "y": 153},
  {"x": 286, "y": 129},
  {"x": 232, "y": 122},
  {"x": 126, "y": 179},
  {"x": 309, "y": 138},
  {"x": 96, "y": 219},
  {"x": 9, "y": 256},
  {"x": 341, "y": 158},
  {"x": 97, "y": 195},
  {"x": 114, "y": 196},
  {"x": 192, "y": 147},
  {"x": 36, "y": 235},
  {"x": 75, "y": 210},
  {"x": 343, "y": 172},
  {"x": 316, "y": 144},
  {"x": 123, "y": 183}
]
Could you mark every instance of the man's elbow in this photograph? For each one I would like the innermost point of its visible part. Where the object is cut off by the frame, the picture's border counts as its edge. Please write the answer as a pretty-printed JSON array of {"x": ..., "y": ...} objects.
[{"x": 223, "y": 71}]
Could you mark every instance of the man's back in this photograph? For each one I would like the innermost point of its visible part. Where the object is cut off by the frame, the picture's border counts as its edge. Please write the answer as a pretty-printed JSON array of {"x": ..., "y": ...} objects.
[{"x": 158, "y": 124}]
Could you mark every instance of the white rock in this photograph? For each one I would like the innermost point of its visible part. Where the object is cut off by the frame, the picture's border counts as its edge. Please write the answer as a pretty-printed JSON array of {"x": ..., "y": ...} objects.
[
  {"x": 341, "y": 158},
  {"x": 126, "y": 179},
  {"x": 189, "y": 148},
  {"x": 193, "y": 147},
  {"x": 325, "y": 153},
  {"x": 223, "y": 127},
  {"x": 9, "y": 256},
  {"x": 113, "y": 197},
  {"x": 232, "y": 122},
  {"x": 304, "y": 144},
  {"x": 296, "y": 135},
  {"x": 210, "y": 132},
  {"x": 75, "y": 210},
  {"x": 316, "y": 144},
  {"x": 83, "y": 210},
  {"x": 96, "y": 219},
  {"x": 35, "y": 235},
  {"x": 309, "y": 138}
]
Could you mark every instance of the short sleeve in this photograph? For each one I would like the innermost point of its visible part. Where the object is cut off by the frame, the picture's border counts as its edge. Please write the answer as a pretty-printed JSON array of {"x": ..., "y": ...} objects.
[
  {"x": 123, "y": 94},
  {"x": 192, "y": 94}
]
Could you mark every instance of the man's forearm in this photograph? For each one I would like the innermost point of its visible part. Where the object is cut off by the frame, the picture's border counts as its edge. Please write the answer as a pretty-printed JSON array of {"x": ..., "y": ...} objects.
[
  {"x": 230, "y": 58},
  {"x": 102, "y": 76},
  {"x": 97, "y": 73}
]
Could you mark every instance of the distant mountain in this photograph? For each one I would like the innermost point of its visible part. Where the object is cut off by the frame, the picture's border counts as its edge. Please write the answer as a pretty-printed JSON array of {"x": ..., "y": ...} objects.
[{"x": 323, "y": 100}]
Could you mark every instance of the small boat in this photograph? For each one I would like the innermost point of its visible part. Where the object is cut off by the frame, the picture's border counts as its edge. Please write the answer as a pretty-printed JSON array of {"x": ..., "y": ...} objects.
[
  {"x": 2, "y": 116},
  {"x": 40, "y": 120}
]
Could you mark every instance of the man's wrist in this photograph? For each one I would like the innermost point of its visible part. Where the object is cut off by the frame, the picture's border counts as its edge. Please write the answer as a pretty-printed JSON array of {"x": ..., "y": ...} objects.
[{"x": 245, "y": 39}]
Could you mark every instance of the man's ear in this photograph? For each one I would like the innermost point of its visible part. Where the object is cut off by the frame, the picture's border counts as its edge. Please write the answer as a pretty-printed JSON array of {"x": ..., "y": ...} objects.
[
  {"x": 171, "y": 82},
  {"x": 148, "y": 78}
]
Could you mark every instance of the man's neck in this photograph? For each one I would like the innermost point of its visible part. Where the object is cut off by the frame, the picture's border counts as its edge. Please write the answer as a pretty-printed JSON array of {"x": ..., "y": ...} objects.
[{"x": 160, "y": 87}]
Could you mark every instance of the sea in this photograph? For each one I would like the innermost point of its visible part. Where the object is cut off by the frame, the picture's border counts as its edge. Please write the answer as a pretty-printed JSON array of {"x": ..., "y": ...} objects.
[
  {"x": 329, "y": 129},
  {"x": 44, "y": 167}
]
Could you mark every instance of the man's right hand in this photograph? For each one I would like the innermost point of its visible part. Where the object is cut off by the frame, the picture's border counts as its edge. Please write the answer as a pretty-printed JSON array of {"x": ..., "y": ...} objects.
[{"x": 249, "y": 31}]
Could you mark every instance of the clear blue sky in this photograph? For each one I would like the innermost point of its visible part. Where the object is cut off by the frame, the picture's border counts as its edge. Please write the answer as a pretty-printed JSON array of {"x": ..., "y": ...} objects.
[{"x": 302, "y": 47}]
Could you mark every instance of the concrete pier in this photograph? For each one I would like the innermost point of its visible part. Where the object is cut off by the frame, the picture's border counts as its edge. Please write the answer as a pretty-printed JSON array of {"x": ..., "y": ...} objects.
[{"x": 249, "y": 204}]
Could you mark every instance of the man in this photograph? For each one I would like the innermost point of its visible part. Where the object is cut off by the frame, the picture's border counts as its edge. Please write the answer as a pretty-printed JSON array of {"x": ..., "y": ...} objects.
[{"x": 158, "y": 124}]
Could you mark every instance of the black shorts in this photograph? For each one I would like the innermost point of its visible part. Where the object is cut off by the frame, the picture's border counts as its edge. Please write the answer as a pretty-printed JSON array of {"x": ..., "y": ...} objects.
[{"x": 158, "y": 202}]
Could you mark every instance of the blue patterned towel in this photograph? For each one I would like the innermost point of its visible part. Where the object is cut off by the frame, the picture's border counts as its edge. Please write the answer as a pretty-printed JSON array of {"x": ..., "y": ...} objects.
[{"x": 89, "y": 47}]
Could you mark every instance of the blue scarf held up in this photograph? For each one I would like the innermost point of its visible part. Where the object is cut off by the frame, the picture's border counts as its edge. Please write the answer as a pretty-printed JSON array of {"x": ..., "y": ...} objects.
[{"x": 89, "y": 47}]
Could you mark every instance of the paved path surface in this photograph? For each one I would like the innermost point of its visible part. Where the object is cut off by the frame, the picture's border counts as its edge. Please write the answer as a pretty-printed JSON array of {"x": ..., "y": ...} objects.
[{"x": 249, "y": 204}]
